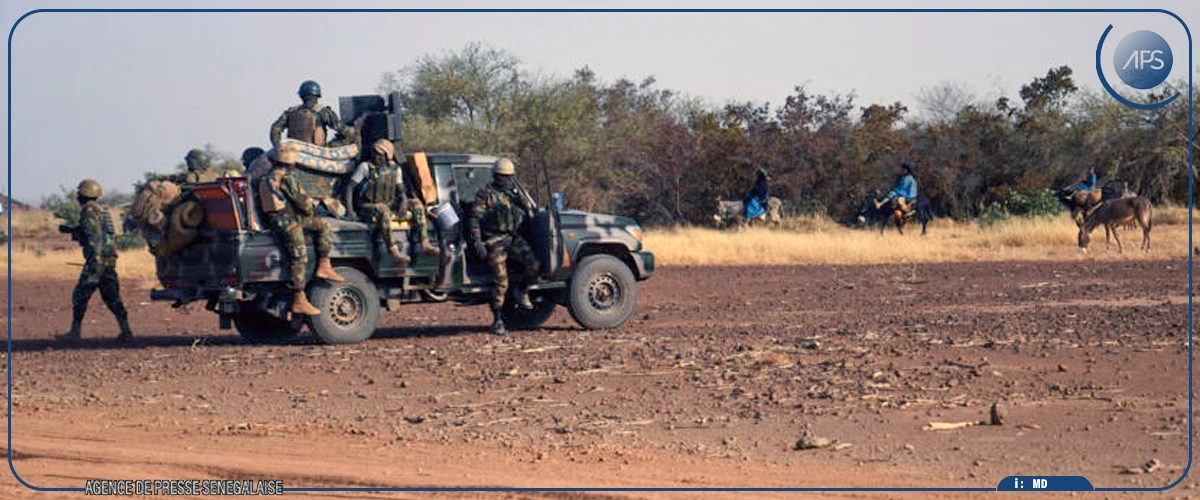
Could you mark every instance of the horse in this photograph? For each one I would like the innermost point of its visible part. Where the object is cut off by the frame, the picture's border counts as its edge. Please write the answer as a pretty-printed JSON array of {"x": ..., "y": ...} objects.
[
  {"x": 1114, "y": 213},
  {"x": 868, "y": 214},
  {"x": 734, "y": 211}
]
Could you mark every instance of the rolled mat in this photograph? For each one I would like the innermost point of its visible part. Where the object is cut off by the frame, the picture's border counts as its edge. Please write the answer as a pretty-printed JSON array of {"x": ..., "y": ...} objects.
[
  {"x": 335, "y": 161},
  {"x": 182, "y": 225}
]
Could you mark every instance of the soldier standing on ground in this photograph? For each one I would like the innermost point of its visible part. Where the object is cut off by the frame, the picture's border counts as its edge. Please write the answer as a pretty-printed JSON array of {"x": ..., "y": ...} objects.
[
  {"x": 308, "y": 121},
  {"x": 495, "y": 218},
  {"x": 289, "y": 213},
  {"x": 95, "y": 235},
  {"x": 375, "y": 188}
]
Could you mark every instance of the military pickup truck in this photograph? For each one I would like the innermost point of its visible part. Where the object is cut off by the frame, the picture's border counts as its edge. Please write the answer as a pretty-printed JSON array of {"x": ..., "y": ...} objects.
[{"x": 591, "y": 263}]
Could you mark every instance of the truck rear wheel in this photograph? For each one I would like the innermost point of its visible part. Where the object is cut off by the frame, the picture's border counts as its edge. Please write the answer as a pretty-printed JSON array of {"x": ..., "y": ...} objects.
[
  {"x": 349, "y": 310},
  {"x": 603, "y": 292},
  {"x": 262, "y": 328}
]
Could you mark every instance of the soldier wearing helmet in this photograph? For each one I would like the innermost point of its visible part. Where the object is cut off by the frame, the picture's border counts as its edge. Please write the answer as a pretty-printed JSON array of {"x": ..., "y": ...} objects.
[
  {"x": 199, "y": 167},
  {"x": 308, "y": 121},
  {"x": 375, "y": 192},
  {"x": 290, "y": 212},
  {"x": 256, "y": 162},
  {"x": 95, "y": 235},
  {"x": 494, "y": 221}
]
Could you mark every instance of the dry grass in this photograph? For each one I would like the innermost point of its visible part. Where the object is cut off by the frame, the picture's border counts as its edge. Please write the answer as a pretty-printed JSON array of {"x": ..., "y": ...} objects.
[
  {"x": 135, "y": 267},
  {"x": 1171, "y": 214},
  {"x": 39, "y": 251},
  {"x": 947, "y": 241}
]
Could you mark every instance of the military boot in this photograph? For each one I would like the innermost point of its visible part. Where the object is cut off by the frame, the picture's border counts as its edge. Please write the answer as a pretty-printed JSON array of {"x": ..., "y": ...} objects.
[
  {"x": 523, "y": 298},
  {"x": 126, "y": 334},
  {"x": 300, "y": 305},
  {"x": 427, "y": 248},
  {"x": 498, "y": 327},
  {"x": 325, "y": 271},
  {"x": 399, "y": 257},
  {"x": 72, "y": 336}
]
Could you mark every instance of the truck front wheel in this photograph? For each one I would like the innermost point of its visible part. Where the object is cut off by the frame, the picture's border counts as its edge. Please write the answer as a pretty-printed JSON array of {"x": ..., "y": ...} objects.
[
  {"x": 349, "y": 310},
  {"x": 603, "y": 292}
]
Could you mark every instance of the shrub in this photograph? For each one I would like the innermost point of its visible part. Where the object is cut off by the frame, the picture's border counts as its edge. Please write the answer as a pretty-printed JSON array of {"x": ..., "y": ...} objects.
[
  {"x": 1039, "y": 202},
  {"x": 995, "y": 213},
  {"x": 128, "y": 241}
]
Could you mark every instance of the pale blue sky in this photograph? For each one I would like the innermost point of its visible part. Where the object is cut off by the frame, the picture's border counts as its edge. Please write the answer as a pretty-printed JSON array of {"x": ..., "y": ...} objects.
[{"x": 111, "y": 95}]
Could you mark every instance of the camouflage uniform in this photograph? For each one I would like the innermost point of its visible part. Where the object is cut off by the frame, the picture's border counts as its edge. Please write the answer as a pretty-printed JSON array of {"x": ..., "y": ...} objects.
[
  {"x": 495, "y": 217},
  {"x": 307, "y": 124},
  {"x": 289, "y": 213},
  {"x": 95, "y": 236},
  {"x": 374, "y": 190}
]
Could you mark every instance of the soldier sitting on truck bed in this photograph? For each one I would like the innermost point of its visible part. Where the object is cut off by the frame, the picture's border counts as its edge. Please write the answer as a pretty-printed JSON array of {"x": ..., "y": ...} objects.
[
  {"x": 375, "y": 190},
  {"x": 289, "y": 213}
]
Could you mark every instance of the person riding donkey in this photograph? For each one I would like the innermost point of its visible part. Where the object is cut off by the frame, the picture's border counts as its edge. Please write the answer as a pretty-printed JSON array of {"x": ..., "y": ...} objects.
[
  {"x": 1086, "y": 181},
  {"x": 903, "y": 195},
  {"x": 755, "y": 202},
  {"x": 1083, "y": 195}
]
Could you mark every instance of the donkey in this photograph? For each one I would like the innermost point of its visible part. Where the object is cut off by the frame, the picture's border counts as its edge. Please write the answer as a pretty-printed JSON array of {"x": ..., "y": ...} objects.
[
  {"x": 869, "y": 215},
  {"x": 1114, "y": 213},
  {"x": 733, "y": 212}
]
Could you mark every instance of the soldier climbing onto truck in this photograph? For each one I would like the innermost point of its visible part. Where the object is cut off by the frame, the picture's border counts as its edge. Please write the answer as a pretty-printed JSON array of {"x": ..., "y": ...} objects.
[
  {"x": 495, "y": 218},
  {"x": 289, "y": 213}
]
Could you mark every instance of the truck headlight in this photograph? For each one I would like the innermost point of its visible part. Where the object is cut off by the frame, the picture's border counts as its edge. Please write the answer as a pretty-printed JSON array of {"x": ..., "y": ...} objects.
[{"x": 636, "y": 231}]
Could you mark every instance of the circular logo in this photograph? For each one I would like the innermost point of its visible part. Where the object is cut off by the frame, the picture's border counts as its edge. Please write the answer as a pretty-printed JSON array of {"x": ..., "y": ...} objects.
[{"x": 1143, "y": 60}]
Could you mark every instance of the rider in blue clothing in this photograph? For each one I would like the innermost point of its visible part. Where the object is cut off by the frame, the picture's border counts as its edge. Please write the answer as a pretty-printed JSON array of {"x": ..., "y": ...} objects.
[
  {"x": 755, "y": 202},
  {"x": 904, "y": 192},
  {"x": 1086, "y": 181}
]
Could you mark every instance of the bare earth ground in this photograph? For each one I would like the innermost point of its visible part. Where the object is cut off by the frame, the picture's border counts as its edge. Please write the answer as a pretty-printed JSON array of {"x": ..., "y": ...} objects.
[{"x": 711, "y": 385}]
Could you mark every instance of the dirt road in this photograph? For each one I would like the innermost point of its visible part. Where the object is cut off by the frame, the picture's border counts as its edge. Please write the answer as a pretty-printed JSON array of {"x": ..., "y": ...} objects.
[{"x": 712, "y": 384}]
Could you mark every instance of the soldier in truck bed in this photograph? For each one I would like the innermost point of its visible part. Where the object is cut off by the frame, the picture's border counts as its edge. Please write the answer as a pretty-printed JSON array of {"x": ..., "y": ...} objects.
[
  {"x": 95, "y": 235},
  {"x": 495, "y": 217},
  {"x": 308, "y": 121},
  {"x": 199, "y": 169},
  {"x": 376, "y": 189},
  {"x": 289, "y": 212}
]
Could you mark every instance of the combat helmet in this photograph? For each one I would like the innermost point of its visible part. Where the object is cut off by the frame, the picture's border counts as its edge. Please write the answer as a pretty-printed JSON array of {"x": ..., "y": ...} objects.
[
  {"x": 89, "y": 189},
  {"x": 308, "y": 88},
  {"x": 196, "y": 159},
  {"x": 504, "y": 166}
]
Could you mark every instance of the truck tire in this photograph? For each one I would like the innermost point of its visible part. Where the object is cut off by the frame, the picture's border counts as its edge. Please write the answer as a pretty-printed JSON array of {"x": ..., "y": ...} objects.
[
  {"x": 603, "y": 292},
  {"x": 349, "y": 310},
  {"x": 521, "y": 319},
  {"x": 261, "y": 328}
]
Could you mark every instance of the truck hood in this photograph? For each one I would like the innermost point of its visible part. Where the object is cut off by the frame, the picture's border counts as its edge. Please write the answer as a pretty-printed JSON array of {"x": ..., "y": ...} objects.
[{"x": 604, "y": 227}]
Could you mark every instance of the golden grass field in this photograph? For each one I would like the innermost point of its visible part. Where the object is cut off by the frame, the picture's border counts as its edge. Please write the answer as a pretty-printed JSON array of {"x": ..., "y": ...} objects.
[
  {"x": 40, "y": 252},
  {"x": 821, "y": 241}
]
